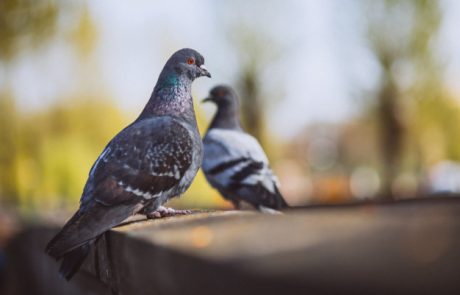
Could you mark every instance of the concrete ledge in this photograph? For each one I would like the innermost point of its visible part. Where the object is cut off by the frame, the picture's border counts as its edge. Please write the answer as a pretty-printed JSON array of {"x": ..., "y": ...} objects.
[{"x": 399, "y": 248}]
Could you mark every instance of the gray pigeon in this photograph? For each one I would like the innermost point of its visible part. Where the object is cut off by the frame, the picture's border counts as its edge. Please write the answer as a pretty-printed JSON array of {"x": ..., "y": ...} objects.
[
  {"x": 149, "y": 162},
  {"x": 234, "y": 162}
]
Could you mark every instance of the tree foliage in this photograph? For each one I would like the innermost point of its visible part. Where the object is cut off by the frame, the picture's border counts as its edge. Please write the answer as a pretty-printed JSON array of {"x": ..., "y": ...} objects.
[
  {"x": 25, "y": 24},
  {"x": 401, "y": 35}
]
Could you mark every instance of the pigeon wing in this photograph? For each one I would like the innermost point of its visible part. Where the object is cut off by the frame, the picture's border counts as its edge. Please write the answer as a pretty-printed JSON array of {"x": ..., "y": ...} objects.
[
  {"x": 235, "y": 156},
  {"x": 144, "y": 161}
]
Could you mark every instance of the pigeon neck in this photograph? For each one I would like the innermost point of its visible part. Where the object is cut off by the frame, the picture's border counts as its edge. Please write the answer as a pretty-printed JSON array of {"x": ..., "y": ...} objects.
[
  {"x": 227, "y": 117},
  {"x": 171, "y": 97}
]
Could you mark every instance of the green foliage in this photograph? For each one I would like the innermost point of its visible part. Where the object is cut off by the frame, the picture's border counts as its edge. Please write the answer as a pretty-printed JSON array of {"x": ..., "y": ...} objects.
[
  {"x": 49, "y": 155},
  {"x": 84, "y": 36},
  {"x": 436, "y": 129},
  {"x": 8, "y": 147},
  {"x": 25, "y": 23}
]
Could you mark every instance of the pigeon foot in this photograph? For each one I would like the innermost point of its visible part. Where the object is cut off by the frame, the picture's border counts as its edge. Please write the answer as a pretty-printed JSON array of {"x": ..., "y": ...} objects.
[{"x": 162, "y": 211}]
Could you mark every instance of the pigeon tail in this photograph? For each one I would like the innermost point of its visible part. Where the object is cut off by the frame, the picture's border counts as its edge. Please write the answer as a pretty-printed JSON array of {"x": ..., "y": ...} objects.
[
  {"x": 282, "y": 204},
  {"x": 55, "y": 247},
  {"x": 261, "y": 198},
  {"x": 273, "y": 200},
  {"x": 72, "y": 261},
  {"x": 86, "y": 226},
  {"x": 72, "y": 258}
]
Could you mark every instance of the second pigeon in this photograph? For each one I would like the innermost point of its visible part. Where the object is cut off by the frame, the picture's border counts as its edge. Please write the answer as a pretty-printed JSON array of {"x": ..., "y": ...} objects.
[{"x": 234, "y": 162}]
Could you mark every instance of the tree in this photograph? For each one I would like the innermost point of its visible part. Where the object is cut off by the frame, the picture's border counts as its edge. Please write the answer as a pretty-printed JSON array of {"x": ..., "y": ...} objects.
[
  {"x": 25, "y": 24},
  {"x": 400, "y": 34},
  {"x": 252, "y": 38}
]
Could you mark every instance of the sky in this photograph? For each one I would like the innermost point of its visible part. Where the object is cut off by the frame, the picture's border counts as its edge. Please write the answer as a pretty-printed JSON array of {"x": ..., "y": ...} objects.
[{"x": 323, "y": 63}]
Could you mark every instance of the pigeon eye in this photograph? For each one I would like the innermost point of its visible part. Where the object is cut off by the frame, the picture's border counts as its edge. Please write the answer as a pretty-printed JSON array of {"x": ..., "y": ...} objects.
[{"x": 190, "y": 61}]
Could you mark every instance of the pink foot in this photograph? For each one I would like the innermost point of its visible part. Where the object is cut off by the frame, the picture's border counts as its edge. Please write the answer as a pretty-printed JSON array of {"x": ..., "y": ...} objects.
[{"x": 166, "y": 212}]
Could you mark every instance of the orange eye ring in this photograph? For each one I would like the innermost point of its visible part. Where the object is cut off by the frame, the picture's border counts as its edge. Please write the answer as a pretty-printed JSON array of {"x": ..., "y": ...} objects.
[{"x": 190, "y": 60}]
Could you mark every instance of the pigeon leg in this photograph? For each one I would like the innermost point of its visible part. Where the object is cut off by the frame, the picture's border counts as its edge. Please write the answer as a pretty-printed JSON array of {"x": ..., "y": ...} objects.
[
  {"x": 267, "y": 210},
  {"x": 161, "y": 212}
]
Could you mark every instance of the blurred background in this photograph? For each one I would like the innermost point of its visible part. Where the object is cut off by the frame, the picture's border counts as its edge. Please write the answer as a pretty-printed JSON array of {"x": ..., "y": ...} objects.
[{"x": 352, "y": 100}]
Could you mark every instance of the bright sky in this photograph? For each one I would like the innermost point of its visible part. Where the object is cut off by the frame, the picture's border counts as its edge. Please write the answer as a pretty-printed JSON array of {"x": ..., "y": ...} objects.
[{"x": 324, "y": 64}]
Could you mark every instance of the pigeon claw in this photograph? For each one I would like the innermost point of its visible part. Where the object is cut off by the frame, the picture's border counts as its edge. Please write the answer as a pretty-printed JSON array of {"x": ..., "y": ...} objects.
[{"x": 161, "y": 212}]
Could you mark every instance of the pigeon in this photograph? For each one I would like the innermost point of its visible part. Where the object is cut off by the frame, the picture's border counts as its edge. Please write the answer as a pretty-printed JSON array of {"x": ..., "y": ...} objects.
[
  {"x": 234, "y": 163},
  {"x": 152, "y": 160}
]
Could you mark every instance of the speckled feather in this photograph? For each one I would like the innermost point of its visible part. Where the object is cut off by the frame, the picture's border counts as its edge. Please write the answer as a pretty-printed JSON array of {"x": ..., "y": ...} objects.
[{"x": 144, "y": 160}]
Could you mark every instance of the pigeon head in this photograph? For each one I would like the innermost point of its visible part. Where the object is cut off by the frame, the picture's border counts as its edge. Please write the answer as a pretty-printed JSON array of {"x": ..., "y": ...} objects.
[
  {"x": 185, "y": 63},
  {"x": 223, "y": 96},
  {"x": 227, "y": 107},
  {"x": 172, "y": 92}
]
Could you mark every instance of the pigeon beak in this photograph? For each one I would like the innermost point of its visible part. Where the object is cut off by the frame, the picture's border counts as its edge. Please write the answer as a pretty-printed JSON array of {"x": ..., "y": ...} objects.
[
  {"x": 204, "y": 71},
  {"x": 207, "y": 99}
]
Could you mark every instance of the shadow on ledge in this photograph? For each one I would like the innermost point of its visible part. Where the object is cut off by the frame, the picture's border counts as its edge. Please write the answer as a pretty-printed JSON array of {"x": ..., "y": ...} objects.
[{"x": 389, "y": 248}]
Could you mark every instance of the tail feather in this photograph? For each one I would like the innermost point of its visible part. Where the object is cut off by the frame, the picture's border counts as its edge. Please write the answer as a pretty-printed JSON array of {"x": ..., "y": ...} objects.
[
  {"x": 73, "y": 260},
  {"x": 268, "y": 199},
  {"x": 258, "y": 195},
  {"x": 54, "y": 248},
  {"x": 86, "y": 226},
  {"x": 73, "y": 242},
  {"x": 281, "y": 202}
]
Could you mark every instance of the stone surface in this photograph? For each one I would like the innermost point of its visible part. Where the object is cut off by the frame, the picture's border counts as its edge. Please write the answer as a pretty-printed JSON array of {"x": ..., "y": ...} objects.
[{"x": 409, "y": 247}]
